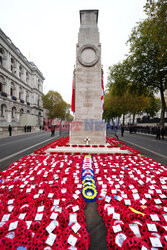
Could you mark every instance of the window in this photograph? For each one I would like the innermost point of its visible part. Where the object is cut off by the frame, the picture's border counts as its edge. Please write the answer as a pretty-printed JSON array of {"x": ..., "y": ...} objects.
[
  {"x": 1, "y": 51},
  {"x": 39, "y": 84},
  {"x": 27, "y": 96},
  {"x": 27, "y": 76},
  {"x": 3, "y": 110},
  {"x": 20, "y": 71},
  {"x": 13, "y": 112},
  {"x": 21, "y": 111},
  {"x": 38, "y": 101},
  {"x": 13, "y": 65},
  {"x": 12, "y": 89},
  {"x": 20, "y": 93},
  {"x": 1, "y": 56},
  {"x": 2, "y": 84}
]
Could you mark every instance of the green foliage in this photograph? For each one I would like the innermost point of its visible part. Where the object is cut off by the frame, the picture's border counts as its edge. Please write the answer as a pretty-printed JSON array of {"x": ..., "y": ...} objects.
[
  {"x": 148, "y": 51},
  {"x": 144, "y": 71},
  {"x": 154, "y": 106},
  {"x": 54, "y": 102},
  {"x": 116, "y": 105}
]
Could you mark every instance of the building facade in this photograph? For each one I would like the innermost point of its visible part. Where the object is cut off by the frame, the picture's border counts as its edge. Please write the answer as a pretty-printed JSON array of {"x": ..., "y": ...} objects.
[{"x": 21, "y": 86}]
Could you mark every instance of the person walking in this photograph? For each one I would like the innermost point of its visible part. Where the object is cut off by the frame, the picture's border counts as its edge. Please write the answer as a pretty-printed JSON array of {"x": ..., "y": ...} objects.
[
  {"x": 116, "y": 135},
  {"x": 10, "y": 130},
  {"x": 52, "y": 130},
  {"x": 158, "y": 137},
  {"x": 162, "y": 132},
  {"x": 122, "y": 130},
  {"x": 25, "y": 128}
]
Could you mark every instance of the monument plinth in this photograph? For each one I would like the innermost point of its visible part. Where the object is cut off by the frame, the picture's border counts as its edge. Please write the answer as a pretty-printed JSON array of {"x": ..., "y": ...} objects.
[{"x": 87, "y": 125}]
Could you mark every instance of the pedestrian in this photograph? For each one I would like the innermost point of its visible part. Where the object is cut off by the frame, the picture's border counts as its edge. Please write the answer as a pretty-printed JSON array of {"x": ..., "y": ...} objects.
[
  {"x": 158, "y": 137},
  {"x": 115, "y": 129},
  {"x": 25, "y": 128},
  {"x": 10, "y": 130},
  {"x": 52, "y": 130},
  {"x": 122, "y": 130},
  {"x": 162, "y": 132}
]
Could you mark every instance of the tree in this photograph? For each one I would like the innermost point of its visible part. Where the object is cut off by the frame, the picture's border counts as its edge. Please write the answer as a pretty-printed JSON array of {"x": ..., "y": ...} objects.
[
  {"x": 118, "y": 78},
  {"x": 54, "y": 102},
  {"x": 148, "y": 51},
  {"x": 111, "y": 106},
  {"x": 68, "y": 116},
  {"x": 154, "y": 106},
  {"x": 116, "y": 105}
]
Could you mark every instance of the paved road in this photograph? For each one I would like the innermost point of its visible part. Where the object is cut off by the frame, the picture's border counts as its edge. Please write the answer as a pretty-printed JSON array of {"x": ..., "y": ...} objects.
[
  {"x": 146, "y": 144},
  {"x": 15, "y": 147}
]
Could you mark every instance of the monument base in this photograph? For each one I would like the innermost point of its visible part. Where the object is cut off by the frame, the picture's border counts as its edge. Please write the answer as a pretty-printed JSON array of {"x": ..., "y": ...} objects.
[{"x": 88, "y": 132}]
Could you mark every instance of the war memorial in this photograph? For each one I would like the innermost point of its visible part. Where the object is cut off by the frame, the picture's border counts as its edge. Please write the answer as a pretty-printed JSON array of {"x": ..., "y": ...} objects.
[{"x": 84, "y": 191}]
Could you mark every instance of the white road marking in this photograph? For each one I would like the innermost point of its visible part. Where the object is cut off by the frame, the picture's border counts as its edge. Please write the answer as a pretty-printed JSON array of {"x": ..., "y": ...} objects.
[
  {"x": 146, "y": 149},
  {"x": 8, "y": 157}
]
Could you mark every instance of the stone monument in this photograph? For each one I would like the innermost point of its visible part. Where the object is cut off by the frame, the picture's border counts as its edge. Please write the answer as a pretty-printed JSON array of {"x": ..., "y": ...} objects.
[{"x": 87, "y": 127}]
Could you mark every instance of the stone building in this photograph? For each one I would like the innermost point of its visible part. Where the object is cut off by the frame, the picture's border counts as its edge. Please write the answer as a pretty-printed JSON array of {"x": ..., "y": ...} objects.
[{"x": 21, "y": 87}]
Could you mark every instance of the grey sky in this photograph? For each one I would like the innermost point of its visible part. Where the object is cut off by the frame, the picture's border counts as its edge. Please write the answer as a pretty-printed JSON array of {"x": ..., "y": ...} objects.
[{"x": 46, "y": 33}]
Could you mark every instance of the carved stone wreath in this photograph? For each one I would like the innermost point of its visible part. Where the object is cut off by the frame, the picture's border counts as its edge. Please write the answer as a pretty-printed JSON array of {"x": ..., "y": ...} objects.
[{"x": 88, "y": 55}]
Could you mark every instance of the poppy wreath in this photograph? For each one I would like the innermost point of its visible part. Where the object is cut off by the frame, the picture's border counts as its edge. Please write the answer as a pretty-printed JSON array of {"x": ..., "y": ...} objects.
[
  {"x": 88, "y": 179},
  {"x": 89, "y": 190},
  {"x": 89, "y": 183},
  {"x": 89, "y": 193}
]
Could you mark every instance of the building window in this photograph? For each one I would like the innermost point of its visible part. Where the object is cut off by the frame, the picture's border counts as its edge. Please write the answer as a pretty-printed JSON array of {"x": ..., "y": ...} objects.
[
  {"x": 27, "y": 76},
  {"x": 2, "y": 84},
  {"x": 1, "y": 56},
  {"x": 3, "y": 110},
  {"x": 13, "y": 112},
  {"x": 27, "y": 96},
  {"x": 13, "y": 66},
  {"x": 20, "y": 71},
  {"x": 1, "y": 60},
  {"x": 38, "y": 101},
  {"x": 20, "y": 93},
  {"x": 21, "y": 111},
  {"x": 11, "y": 91}
]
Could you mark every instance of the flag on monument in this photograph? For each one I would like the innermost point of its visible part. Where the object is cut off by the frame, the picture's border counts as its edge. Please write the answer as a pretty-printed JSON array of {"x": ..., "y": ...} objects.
[
  {"x": 102, "y": 94},
  {"x": 73, "y": 97}
]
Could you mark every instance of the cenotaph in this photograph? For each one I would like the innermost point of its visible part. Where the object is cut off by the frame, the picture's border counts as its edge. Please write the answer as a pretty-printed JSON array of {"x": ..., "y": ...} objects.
[{"x": 87, "y": 126}]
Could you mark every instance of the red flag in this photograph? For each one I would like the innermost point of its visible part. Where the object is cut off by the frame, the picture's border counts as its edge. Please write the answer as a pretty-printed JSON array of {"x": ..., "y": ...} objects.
[
  {"x": 73, "y": 97},
  {"x": 102, "y": 94}
]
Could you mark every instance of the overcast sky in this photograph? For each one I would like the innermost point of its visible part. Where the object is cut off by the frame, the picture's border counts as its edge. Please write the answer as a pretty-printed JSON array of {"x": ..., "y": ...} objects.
[{"x": 46, "y": 33}]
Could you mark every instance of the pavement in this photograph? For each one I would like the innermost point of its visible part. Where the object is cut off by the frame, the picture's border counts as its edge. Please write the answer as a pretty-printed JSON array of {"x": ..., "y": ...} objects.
[
  {"x": 16, "y": 133},
  {"x": 145, "y": 143}
]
